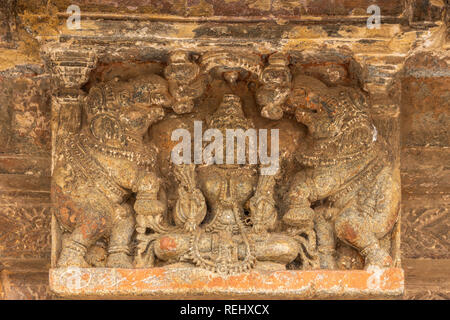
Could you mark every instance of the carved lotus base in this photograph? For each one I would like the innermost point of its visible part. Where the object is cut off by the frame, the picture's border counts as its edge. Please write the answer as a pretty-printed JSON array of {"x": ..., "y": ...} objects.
[{"x": 198, "y": 283}]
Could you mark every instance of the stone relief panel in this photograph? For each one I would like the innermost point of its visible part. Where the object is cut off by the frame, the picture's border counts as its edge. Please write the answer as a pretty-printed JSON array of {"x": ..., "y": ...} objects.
[{"x": 141, "y": 181}]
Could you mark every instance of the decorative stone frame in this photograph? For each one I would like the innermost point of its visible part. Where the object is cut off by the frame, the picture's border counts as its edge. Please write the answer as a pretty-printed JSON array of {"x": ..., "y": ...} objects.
[{"x": 376, "y": 61}]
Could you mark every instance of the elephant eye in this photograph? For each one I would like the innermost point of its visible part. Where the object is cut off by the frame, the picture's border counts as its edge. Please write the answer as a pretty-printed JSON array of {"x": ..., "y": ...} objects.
[{"x": 124, "y": 98}]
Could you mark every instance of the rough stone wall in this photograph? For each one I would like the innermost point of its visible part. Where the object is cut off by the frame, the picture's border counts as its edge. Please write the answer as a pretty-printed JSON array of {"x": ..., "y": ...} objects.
[
  {"x": 24, "y": 178},
  {"x": 25, "y": 142},
  {"x": 24, "y": 166},
  {"x": 425, "y": 172},
  {"x": 425, "y": 119},
  {"x": 236, "y": 8}
]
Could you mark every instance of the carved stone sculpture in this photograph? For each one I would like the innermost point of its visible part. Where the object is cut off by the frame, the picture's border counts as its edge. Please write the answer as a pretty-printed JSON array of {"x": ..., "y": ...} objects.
[
  {"x": 348, "y": 167},
  {"x": 276, "y": 79},
  {"x": 226, "y": 241},
  {"x": 99, "y": 166}
]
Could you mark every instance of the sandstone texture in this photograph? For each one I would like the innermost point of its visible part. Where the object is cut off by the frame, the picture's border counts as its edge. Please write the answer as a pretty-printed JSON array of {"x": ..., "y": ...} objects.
[{"x": 167, "y": 283}]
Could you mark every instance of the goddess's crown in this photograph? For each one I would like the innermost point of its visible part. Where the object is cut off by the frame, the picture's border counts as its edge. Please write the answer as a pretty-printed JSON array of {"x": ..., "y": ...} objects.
[{"x": 230, "y": 115}]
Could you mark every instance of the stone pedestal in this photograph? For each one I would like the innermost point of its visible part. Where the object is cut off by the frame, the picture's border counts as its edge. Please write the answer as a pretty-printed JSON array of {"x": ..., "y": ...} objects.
[{"x": 197, "y": 283}]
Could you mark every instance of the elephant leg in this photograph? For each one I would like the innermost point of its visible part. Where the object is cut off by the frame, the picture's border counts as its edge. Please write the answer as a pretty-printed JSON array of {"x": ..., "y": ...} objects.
[
  {"x": 354, "y": 228},
  {"x": 119, "y": 255},
  {"x": 386, "y": 196},
  {"x": 363, "y": 230},
  {"x": 74, "y": 250},
  {"x": 91, "y": 225}
]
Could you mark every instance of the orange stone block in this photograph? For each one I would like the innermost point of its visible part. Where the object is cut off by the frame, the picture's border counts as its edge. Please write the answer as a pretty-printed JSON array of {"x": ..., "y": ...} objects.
[{"x": 191, "y": 283}]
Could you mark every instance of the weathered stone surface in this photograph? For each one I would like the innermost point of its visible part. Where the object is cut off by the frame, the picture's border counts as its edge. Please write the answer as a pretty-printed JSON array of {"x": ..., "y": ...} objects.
[
  {"x": 236, "y": 8},
  {"x": 24, "y": 280},
  {"x": 426, "y": 101},
  {"x": 425, "y": 118},
  {"x": 24, "y": 182},
  {"x": 371, "y": 59},
  {"x": 425, "y": 10},
  {"x": 425, "y": 226},
  {"x": 425, "y": 203},
  {"x": 175, "y": 7},
  {"x": 428, "y": 64},
  {"x": 24, "y": 163},
  {"x": 25, "y": 230},
  {"x": 24, "y": 113},
  {"x": 8, "y": 25},
  {"x": 338, "y": 7},
  {"x": 426, "y": 112},
  {"x": 72, "y": 199},
  {"x": 159, "y": 282},
  {"x": 25, "y": 175},
  {"x": 425, "y": 170},
  {"x": 427, "y": 279}
]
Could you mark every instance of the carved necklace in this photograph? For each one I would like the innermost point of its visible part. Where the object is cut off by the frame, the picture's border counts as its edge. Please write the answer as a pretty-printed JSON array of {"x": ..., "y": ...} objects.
[{"x": 223, "y": 267}]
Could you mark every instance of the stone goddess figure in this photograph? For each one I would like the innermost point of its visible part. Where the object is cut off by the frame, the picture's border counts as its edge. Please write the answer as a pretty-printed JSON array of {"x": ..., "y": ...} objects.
[{"x": 212, "y": 230}]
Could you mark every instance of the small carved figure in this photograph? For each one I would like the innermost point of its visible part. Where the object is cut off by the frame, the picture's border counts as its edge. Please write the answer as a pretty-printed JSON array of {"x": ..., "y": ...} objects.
[
  {"x": 348, "y": 168},
  {"x": 100, "y": 166},
  {"x": 223, "y": 239},
  {"x": 185, "y": 81},
  {"x": 276, "y": 87}
]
